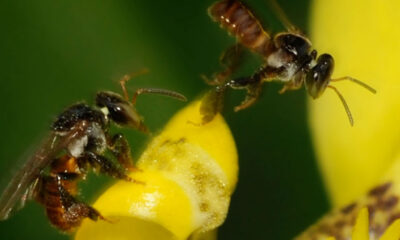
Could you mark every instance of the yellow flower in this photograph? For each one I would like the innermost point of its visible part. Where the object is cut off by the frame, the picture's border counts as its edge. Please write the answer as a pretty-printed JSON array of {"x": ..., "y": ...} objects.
[
  {"x": 363, "y": 36},
  {"x": 189, "y": 173},
  {"x": 382, "y": 203},
  {"x": 361, "y": 230}
]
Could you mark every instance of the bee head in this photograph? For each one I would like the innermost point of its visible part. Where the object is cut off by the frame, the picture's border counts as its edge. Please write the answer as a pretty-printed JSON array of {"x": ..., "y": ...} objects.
[
  {"x": 120, "y": 111},
  {"x": 319, "y": 76}
]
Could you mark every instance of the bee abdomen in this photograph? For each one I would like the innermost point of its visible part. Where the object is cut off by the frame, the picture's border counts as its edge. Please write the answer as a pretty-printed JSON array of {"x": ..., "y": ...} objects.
[
  {"x": 241, "y": 23},
  {"x": 56, "y": 217},
  {"x": 54, "y": 206},
  {"x": 57, "y": 206}
]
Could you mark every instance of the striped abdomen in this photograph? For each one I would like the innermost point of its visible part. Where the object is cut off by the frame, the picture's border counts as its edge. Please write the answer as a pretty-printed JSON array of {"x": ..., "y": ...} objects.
[
  {"x": 56, "y": 192},
  {"x": 55, "y": 207},
  {"x": 240, "y": 22}
]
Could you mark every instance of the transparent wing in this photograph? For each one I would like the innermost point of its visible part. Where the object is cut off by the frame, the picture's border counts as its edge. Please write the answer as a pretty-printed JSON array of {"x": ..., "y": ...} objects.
[
  {"x": 284, "y": 19},
  {"x": 17, "y": 189},
  {"x": 24, "y": 177}
]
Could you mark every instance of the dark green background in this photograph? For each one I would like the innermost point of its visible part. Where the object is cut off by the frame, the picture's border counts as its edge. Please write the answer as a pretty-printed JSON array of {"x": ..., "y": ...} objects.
[{"x": 55, "y": 53}]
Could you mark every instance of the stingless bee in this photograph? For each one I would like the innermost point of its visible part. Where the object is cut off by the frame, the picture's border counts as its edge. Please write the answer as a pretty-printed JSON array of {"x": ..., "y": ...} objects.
[
  {"x": 288, "y": 58},
  {"x": 78, "y": 141}
]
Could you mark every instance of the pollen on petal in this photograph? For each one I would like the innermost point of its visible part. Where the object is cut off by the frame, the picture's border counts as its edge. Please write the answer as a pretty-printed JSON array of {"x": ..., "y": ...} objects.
[{"x": 189, "y": 173}]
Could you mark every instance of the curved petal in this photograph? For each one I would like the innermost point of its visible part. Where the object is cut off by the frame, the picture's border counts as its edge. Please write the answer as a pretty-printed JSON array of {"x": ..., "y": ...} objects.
[
  {"x": 362, "y": 35},
  {"x": 189, "y": 171}
]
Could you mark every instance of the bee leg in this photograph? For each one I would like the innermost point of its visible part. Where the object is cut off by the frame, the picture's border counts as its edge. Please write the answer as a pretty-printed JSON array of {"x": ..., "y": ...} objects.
[
  {"x": 106, "y": 166},
  {"x": 288, "y": 86},
  {"x": 253, "y": 93},
  {"x": 127, "y": 77},
  {"x": 75, "y": 210},
  {"x": 244, "y": 82},
  {"x": 295, "y": 84},
  {"x": 285, "y": 88},
  {"x": 212, "y": 104},
  {"x": 252, "y": 84},
  {"x": 230, "y": 59},
  {"x": 120, "y": 148}
]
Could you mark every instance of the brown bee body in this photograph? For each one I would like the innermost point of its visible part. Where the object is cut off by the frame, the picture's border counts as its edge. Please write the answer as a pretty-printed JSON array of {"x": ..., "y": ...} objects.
[
  {"x": 241, "y": 23},
  {"x": 57, "y": 192},
  {"x": 63, "y": 218},
  {"x": 78, "y": 142},
  {"x": 288, "y": 58}
]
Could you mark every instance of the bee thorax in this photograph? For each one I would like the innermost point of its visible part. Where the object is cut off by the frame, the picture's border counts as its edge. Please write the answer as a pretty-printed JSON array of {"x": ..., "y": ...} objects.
[
  {"x": 282, "y": 60},
  {"x": 77, "y": 147},
  {"x": 277, "y": 59},
  {"x": 97, "y": 138}
]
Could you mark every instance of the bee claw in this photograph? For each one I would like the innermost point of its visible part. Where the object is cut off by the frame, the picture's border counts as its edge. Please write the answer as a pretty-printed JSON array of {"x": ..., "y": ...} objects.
[
  {"x": 133, "y": 169},
  {"x": 108, "y": 219},
  {"x": 129, "y": 179}
]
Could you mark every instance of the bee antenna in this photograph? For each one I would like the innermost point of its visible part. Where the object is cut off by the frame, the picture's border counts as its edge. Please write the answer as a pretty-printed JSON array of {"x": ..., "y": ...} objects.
[
  {"x": 127, "y": 77},
  {"x": 282, "y": 17},
  {"x": 159, "y": 91},
  {"x": 366, "y": 86},
  {"x": 346, "y": 107}
]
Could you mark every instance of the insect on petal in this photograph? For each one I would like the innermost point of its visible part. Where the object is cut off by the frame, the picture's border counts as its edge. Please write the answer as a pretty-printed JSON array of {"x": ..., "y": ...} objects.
[{"x": 189, "y": 171}]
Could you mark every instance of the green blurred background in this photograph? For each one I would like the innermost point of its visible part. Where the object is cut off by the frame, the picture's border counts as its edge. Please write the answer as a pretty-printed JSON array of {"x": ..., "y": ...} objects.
[{"x": 55, "y": 53}]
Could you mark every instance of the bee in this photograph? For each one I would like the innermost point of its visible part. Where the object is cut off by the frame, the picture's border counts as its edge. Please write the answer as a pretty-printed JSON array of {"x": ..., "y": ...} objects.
[
  {"x": 288, "y": 58},
  {"x": 78, "y": 141}
]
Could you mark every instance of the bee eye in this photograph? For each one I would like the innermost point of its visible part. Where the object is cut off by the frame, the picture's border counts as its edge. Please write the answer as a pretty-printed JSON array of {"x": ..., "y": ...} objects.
[
  {"x": 116, "y": 113},
  {"x": 119, "y": 110},
  {"x": 319, "y": 76},
  {"x": 316, "y": 76}
]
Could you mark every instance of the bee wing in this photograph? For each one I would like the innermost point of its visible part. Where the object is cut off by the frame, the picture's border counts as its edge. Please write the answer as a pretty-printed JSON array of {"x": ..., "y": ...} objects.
[
  {"x": 284, "y": 18},
  {"x": 21, "y": 181},
  {"x": 20, "y": 187}
]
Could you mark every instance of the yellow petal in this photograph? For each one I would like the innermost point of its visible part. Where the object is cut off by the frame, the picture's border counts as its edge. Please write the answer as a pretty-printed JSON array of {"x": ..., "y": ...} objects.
[
  {"x": 189, "y": 173},
  {"x": 361, "y": 228},
  {"x": 393, "y": 232},
  {"x": 363, "y": 37},
  {"x": 383, "y": 206}
]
